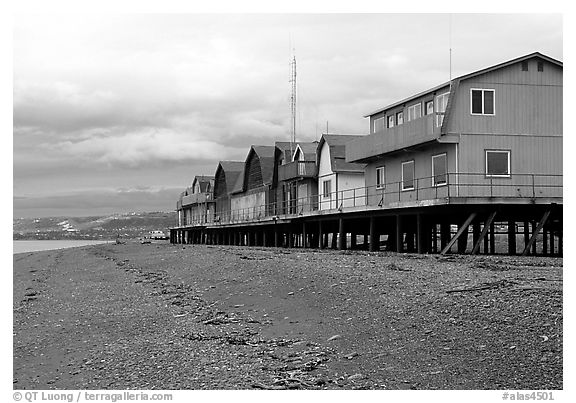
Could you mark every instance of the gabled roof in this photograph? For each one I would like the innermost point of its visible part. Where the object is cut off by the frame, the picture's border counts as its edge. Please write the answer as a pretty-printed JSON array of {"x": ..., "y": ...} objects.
[
  {"x": 204, "y": 182},
  {"x": 337, "y": 144},
  {"x": 470, "y": 75},
  {"x": 309, "y": 150},
  {"x": 284, "y": 147},
  {"x": 266, "y": 157},
  {"x": 232, "y": 170}
]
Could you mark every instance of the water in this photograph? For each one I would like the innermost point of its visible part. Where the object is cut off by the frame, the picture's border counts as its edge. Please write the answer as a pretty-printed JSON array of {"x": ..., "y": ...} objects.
[{"x": 35, "y": 246}]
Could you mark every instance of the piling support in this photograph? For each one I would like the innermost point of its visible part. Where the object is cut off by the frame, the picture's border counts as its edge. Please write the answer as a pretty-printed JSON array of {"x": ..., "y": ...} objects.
[
  {"x": 320, "y": 236},
  {"x": 399, "y": 234},
  {"x": 341, "y": 235},
  {"x": 374, "y": 244},
  {"x": 511, "y": 237}
]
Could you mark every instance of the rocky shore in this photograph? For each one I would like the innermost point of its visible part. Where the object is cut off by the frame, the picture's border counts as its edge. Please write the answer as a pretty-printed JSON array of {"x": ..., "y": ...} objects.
[{"x": 160, "y": 316}]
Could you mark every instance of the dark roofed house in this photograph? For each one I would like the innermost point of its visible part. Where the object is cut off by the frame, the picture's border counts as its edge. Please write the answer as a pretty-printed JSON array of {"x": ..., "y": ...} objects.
[
  {"x": 226, "y": 176},
  {"x": 297, "y": 187},
  {"x": 196, "y": 203},
  {"x": 252, "y": 196}
]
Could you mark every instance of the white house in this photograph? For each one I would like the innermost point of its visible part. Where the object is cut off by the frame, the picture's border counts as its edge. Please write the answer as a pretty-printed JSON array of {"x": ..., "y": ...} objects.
[{"x": 340, "y": 183}]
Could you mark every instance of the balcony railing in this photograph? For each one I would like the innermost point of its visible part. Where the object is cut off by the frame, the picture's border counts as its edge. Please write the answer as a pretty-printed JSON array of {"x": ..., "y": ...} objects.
[
  {"x": 454, "y": 187},
  {"x": 195, "y": 198},
  {"x": 395, "y": 138},
  {"x": 297, "y": 169}
]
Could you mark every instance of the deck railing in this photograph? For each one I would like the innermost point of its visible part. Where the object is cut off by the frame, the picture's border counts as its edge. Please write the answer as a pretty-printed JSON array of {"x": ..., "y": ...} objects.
[
  {"x": 297, "y": 169},
  {"x": 448, "y": 187}
]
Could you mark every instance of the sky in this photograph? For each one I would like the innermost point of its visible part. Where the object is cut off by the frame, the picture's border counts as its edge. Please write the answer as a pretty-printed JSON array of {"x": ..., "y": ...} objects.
[{"x": 116, "y": 113}]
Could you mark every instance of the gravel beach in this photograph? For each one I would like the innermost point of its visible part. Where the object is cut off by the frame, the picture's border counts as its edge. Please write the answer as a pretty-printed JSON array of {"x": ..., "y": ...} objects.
[{"x": 161, "y": 316}]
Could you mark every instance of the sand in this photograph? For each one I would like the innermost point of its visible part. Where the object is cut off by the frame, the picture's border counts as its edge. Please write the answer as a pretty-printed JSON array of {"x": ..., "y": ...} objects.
[{"x": 161, "y": 316}]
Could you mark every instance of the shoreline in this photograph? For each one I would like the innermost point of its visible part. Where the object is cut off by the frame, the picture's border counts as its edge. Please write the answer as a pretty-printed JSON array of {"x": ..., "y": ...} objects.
[{"x": 162, "y": 316}]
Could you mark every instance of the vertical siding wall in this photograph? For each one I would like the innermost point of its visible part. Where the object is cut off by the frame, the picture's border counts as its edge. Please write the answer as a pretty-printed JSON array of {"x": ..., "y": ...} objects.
[
  {"x": 525, "y": 102},
  {"x": 422, "y": 169},
  {"x": 324, "y": 174},
  {"x": 351, "y": 190}
]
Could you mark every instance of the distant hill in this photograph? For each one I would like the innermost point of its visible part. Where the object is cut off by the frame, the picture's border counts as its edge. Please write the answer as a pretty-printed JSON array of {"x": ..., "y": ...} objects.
[{"x": 130, "y": 225}]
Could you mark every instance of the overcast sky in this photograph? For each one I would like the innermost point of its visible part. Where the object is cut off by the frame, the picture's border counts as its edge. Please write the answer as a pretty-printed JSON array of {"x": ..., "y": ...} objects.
[{"x": 118, "y": 113}]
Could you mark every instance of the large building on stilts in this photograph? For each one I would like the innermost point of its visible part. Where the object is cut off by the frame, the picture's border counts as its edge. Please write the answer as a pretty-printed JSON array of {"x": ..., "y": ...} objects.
[{"x": 470, "y": 166}]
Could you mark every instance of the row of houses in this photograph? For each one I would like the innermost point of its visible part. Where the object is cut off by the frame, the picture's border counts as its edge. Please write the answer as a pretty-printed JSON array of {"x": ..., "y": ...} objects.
[{"x": 491, "y": 137}]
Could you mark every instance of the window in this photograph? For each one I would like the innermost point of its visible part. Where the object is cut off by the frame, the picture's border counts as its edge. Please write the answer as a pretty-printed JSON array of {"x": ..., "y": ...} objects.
[
  {"x": 498, "y": 163},
  {"x": 441, "y": 104},
  {"x": 326, "y": 188},
  {"x": 482, "y": 102},
  {"x": 408, "y": 175},
  {"x": 429, "y": 107},
  {"x": 379, "y": 124},
  {"x": 399, "y": 118},
  {"x": 390, "y": 121},
  {"x": 439, "y": 170},
  {"x": 414, "y": 112},
  {"x": 380, "y": 177},
  {"x": 540, "y": 66},
  {"x": 525, "y": 66}
]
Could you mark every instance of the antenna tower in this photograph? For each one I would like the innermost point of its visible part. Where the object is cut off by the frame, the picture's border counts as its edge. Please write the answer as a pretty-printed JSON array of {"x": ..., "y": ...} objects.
[{"x": 293, "y": 104}]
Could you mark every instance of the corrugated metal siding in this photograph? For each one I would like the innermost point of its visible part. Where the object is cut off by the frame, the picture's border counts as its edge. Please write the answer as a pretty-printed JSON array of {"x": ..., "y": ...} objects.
[
  {"x": 525, "y": 102},
  {"x": 422, "y": 169},
  {"x": 529, "y": 154}
]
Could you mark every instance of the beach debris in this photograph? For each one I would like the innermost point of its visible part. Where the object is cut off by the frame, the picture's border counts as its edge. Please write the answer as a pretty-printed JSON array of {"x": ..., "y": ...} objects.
[{"x": 335, "y": 337}]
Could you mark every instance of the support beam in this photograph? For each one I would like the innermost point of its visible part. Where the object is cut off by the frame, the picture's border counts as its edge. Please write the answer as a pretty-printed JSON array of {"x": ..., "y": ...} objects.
[
  {"x": 511, "y": 237},
  {"x": 485, "y": 230},
  {"x": 492, "y": 239},
  {"x": 352, "y": 240},
  {"x": 341, "y": 234},
  {"x": 421, "y": 235},
  {"x": 534, "y": 244},
  {"x": 320, "y": 236},
  {"x": 304, "y": 236},
  {"x": 463, "y": 229},
  {"x": 536, "y": 231},
  {"x": 399, "y": 235},
  {"x": 275, "y": 235},
  {"x": 374, "y": 245},
  {"x": 444, "y": 234}
]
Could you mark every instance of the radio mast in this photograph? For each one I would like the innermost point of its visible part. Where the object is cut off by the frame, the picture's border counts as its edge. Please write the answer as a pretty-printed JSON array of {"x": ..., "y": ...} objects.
[{"x": 293, "y": 105}]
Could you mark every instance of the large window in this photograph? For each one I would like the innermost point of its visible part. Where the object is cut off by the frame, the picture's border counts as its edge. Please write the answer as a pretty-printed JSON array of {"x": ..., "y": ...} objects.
[
  {"x": 408, "y": 175},
  {"x": 390, "y": 121},
  {"x": 326, "y": 188},
  {"x": 380, "y": 177},
  {"x": 429, "y": 107},
  {"x": 482, "y": 102},
  {"x": 414, "y": 112},
  {"x": 441, "y": 104},
  {"x": 498, "y": 163},
  {"x": 439, "y": 169},
  {"x": 399, "y": 118},
  {"x": 379, "y": 124}
]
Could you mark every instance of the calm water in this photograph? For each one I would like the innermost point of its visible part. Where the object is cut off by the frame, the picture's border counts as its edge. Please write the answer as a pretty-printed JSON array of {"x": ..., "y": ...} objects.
[{"x": 34, "y": 246}]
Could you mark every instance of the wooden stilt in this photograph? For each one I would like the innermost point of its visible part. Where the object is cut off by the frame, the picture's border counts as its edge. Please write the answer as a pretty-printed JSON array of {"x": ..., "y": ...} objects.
[
  {"x": 511, "y": 237},
  {"x": 399, "y": 234},
  {"x": 492, "y": 239},
  {"x": 320, "y": 235},
  {"x": 341, "y": 235},
  {"x": 536, "y": 231},
  {"x": 484, "y": 232},
  {"x": 462, "y": 230},
  {"x": 374, "y": 245}
]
